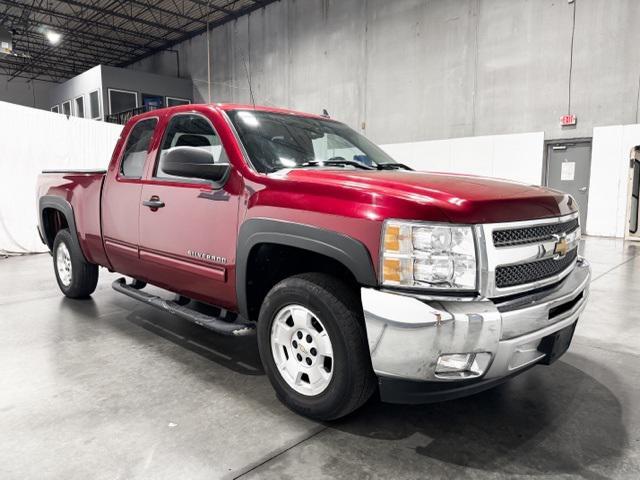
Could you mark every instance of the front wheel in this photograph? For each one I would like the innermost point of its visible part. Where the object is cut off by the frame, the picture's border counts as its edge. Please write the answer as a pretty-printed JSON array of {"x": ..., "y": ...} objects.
[
  {"x": 313, "y": 346},
  {"x": 76, "y": 277}
]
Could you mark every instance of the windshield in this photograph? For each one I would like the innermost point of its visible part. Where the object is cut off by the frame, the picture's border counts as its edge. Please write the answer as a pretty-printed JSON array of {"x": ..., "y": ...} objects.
[{"x": 275, "y": 141}]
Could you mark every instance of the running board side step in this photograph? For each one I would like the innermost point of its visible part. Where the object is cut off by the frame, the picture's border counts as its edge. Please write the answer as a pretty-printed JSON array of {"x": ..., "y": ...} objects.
[{"x": 237, "y": 329}]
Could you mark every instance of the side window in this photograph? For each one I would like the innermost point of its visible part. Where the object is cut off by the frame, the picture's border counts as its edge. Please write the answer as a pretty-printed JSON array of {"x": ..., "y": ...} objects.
[
  {"x": 190, "y": 131},
  {"x": 135, "y": 152}
]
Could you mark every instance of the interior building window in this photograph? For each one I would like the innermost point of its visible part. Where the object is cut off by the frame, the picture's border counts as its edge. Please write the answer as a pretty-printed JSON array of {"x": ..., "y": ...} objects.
[
  {"x": 55, "y": 109},
  {"x": 66, "y": 107},
  {"x": 122, "y": 100},
  {"x": 152, "y": 101},
  {"x": 173, "y": 101},
  {"x": 94, "y": 105},
  {"x": 79, "y": 106}
]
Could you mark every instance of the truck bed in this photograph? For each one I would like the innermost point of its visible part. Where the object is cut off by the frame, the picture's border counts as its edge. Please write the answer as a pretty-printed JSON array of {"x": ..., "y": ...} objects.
[{"x": 78, "y": 192}]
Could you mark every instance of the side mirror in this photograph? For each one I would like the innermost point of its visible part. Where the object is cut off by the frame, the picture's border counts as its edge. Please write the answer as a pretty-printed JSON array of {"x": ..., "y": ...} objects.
[{"x": 194, "y": 162}]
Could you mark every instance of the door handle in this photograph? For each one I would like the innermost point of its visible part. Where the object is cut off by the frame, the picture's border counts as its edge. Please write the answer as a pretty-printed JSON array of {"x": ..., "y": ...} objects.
[
  {"x": 582, "y": 189},
  {"x": 154, "y": 203}
]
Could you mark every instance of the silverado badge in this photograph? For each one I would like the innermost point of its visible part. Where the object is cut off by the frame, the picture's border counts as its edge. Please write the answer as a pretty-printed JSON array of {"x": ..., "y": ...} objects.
[{"x": 206, "y": 256}]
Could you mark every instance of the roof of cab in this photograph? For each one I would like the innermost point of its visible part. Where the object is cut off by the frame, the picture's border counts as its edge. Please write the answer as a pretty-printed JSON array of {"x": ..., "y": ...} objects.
[
  {"x": 229, "y": 107},
  {"x": 263, "y": 108}
]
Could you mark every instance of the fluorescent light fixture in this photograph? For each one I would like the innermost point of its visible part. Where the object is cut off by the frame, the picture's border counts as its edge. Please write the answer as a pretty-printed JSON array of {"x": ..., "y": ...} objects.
[{"x": 53, "y": 37}]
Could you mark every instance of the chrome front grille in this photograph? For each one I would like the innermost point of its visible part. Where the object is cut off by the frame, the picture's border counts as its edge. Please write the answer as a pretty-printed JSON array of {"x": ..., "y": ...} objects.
[
  {"x": 511, "y": 275},
  {"x": 540, "y": 233},
  {"x": 521, "y": 256}
]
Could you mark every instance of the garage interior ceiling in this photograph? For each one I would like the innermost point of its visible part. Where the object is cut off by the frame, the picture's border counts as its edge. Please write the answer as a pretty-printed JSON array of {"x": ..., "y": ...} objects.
[{"x": 112, "y": 32}]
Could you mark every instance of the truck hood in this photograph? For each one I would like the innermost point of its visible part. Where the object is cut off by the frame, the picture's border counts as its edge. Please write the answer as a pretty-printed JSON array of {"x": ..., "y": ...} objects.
[{"x": 460, "y": 198}]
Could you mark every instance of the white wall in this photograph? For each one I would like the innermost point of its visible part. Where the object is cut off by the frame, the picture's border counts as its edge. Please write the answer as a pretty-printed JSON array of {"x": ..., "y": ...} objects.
[
  {"x": 516, "y": 157},
  {"x": 32, "y": 140},
  {"x": 607, "y": 214}
]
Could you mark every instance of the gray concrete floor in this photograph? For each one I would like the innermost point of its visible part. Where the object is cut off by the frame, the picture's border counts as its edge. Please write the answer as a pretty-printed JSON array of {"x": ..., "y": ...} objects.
[{"x": 112, "y": 389}]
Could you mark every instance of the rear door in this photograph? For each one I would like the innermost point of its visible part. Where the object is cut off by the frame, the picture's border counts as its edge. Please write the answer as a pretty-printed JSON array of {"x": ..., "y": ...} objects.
[
  {"x": 188, "y": 244},
  {"x": 121, "y": 199}
]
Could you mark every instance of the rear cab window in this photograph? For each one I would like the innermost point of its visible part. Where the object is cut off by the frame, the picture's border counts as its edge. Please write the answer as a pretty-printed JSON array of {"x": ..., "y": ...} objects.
[{"x": 137, "y": 147}]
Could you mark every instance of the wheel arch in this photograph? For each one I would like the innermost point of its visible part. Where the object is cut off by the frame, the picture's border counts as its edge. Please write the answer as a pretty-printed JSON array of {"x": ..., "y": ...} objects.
[
  {"x": 56, "y": 213},
  {"x": 326, "y": 250}
]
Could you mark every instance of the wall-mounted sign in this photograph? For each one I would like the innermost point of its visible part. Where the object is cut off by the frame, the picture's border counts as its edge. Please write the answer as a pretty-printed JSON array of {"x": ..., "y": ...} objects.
[
  {"x": 568, "y": 120},
  {"x": 568, "y": 172}
]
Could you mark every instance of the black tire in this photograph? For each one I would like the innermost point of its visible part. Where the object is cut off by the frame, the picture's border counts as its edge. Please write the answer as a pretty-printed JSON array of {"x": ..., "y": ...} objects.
[
  {"x": 338, "y": 308},
  {"x": 84, "y": 275}
]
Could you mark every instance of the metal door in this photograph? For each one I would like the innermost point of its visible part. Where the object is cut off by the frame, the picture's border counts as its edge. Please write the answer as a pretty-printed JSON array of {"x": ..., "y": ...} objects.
[{"x": 568, "y": 170}]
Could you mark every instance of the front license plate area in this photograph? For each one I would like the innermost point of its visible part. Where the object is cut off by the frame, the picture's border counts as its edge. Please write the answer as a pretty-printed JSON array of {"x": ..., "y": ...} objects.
[{"x": 556, "y": 344}]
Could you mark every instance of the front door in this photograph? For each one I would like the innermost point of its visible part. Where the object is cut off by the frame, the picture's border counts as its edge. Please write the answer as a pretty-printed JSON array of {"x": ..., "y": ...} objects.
[
  {"x": 187, "y": 228},
  {"x": 121, "y": 199},
  {"x": 568, "y": 170}
]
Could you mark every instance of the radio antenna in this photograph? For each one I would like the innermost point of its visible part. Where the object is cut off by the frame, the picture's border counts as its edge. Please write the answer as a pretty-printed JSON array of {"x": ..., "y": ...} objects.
[{"x": 248, "y": 72}]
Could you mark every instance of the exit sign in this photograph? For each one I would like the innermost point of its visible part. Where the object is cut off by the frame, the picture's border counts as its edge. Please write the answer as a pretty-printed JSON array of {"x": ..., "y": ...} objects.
[{"x": 568, "y": 120}]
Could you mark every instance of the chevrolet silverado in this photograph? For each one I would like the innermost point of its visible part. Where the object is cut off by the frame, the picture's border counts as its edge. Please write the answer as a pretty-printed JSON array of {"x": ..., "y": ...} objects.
[{"x": 356, "y": 273}]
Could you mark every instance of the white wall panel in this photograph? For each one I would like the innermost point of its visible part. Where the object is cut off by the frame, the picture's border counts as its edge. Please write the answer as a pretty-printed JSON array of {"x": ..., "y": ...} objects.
[
  {"x": 34, "y": 140},
  {"x": 609, "y": 176},
  {"x": 515, "y": 157}
]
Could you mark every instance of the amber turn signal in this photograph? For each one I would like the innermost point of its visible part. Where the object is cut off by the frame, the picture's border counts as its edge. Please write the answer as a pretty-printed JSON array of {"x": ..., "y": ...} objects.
[
  {"x": 392, "y": 238},
  {"x": 391, "y": 270}
]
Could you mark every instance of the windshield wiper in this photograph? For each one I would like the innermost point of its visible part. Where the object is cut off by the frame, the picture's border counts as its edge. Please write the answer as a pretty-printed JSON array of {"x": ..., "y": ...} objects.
[
  {"x": 335, "y": 163},
  {"x": 392, "y": 166}
]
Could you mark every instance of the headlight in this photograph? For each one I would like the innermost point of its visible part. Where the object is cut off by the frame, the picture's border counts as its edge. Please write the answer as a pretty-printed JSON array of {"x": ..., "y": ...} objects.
[{"x": 428, "y": 256}]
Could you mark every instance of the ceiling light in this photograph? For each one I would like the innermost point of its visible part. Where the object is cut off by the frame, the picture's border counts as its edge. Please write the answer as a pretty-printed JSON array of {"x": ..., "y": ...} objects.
[{"x": 53, "y": 37}]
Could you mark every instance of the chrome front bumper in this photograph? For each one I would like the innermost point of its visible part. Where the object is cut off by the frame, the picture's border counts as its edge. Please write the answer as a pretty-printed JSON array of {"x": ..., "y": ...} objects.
[{"x": 407, "y": 334}]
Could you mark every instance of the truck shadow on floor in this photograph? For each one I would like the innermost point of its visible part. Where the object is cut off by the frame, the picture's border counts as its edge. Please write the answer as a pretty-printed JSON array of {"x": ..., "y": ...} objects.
[
  {"x": 552, "y": 420},
  {"x": 239, "y": 354}
]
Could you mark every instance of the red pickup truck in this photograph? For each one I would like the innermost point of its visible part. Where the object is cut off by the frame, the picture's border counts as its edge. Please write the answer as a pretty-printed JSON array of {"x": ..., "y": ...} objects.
[{"x": 356, "y": 273}]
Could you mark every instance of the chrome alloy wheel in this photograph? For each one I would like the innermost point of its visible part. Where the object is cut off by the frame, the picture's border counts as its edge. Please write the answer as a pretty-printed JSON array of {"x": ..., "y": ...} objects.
[
  {"x": 63, "y": 264},
  {"x": 302, "y": 350}
]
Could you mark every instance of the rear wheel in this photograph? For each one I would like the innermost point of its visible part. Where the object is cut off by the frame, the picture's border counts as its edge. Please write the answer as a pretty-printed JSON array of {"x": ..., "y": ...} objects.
[
  {"x": 313, "y": 346},
  {"x": 76, "y": 277}
]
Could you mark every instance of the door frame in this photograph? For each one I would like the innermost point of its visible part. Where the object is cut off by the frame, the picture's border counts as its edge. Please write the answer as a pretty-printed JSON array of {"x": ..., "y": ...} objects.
[
  {"x": 545, "y": 166},
  {"x": 545, "y": 161},
  {"x": 634, "y": 237}
]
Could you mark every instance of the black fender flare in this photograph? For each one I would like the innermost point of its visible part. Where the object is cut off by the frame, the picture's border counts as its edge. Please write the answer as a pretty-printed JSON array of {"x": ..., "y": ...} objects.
[
  {"x": 65, "y": 208},
  {"x": 347, "y": 250}
]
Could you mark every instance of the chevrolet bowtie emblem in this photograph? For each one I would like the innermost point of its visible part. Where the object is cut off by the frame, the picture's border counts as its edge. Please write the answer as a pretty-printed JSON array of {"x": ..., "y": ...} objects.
[{"x": 561, "y": 247}]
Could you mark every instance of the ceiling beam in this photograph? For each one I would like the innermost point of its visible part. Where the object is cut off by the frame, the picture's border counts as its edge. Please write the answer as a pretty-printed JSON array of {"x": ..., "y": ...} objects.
[
  {"x": 169, "y": 12},
  {"x": 82, "y": 41},
  {"x": 52, "y": 13},
  {"x": 221, "y": 21},
  {"x": 50, "y": 47},
  {"x": 49, "y": 67},
  {"x": 122, "y": 16}
]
